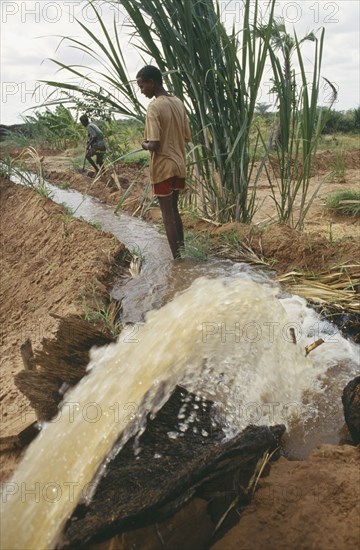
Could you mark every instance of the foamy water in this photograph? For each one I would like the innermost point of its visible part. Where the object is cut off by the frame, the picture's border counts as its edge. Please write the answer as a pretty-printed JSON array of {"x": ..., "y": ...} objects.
[{"x": 227, "y": 340}]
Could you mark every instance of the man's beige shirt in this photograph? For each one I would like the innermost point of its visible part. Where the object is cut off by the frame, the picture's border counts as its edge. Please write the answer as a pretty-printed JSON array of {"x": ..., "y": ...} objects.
[{"x": 166, "y": 121}]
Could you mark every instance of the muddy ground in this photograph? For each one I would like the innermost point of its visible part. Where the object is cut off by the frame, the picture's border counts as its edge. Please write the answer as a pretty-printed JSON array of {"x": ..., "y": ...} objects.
[{"x": 50, "y": 261}]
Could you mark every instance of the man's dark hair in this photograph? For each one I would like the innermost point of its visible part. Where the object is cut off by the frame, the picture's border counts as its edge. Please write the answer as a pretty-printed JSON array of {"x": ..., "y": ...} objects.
[
  {"x": 84, "y": 119},
  {"x": 149, "y": 72}
]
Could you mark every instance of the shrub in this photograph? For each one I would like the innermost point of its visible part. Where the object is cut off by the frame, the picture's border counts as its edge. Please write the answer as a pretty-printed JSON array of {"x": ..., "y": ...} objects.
[
  {"x": 342, "y": 121},
  {"x": 345, "y": 202}
]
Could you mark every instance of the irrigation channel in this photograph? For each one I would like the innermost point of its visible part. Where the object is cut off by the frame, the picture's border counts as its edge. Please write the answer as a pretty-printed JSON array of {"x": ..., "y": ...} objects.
[{"x": 218, "y": 328}]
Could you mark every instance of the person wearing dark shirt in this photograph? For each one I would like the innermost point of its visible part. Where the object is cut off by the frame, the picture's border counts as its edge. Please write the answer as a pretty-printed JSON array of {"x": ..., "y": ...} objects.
[{"x": 95, "y": 144}]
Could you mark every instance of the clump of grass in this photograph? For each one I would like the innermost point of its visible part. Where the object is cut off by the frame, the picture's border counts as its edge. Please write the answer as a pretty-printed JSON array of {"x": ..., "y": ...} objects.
[
  {"x": 96, "y": 223},
  {"x": 338, "y": 167},
  {"x": 197, "y": 245},
  {"x": 230, "y": 245},
  {"x": 5, "y": 167},
  {"x": 43, "y": 191},
  {"x": 106, "y": 315},
  {"x": 66, "y": 218},
  {"x": 345, "y": 202},
  {"x": 64, "y": 185},
  {"x": 95, "y": 311},
  {"x": 34, "y": 178},
  {"x": 68, "y": 210}
]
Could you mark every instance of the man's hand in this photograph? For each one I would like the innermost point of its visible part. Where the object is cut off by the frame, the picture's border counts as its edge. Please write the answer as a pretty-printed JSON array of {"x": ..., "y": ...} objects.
[
  {"x": 150, "y": 145},
  {"x": 145, "y": 145}
]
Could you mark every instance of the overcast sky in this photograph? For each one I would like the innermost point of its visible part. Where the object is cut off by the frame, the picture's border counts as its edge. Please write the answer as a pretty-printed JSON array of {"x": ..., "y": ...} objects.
[{"x": 30, "y": 31}]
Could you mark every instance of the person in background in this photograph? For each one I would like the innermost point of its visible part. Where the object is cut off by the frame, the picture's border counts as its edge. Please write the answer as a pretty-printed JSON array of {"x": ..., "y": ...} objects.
[
  {"x": 166, "y": 132},
  {"x": 95, "y": 144}
]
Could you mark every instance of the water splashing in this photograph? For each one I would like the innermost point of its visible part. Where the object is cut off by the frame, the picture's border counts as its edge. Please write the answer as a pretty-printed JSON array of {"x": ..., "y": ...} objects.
[{"x": 225, "y": 340}]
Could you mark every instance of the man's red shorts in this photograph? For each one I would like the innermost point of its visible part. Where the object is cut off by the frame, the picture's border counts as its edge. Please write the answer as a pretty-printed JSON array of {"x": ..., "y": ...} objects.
[{"x": 166, "y": 187}]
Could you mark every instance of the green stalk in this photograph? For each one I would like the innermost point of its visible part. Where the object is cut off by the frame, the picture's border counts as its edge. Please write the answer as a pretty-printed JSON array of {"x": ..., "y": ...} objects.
[{"x": 300, "y": 129}]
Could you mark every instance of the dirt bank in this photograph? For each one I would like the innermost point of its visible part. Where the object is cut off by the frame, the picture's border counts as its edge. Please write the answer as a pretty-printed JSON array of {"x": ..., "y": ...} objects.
[
  {"x": 51, "y": 263},
  {"x": 303, "y": 505}
]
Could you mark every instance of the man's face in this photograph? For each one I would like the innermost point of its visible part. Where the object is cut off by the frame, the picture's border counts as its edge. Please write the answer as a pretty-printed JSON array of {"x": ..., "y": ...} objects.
[{"x": 147, "y": 87}]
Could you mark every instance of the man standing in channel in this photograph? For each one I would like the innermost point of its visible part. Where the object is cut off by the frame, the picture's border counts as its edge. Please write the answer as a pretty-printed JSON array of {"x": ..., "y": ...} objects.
[{"x": 166, "y": 132}]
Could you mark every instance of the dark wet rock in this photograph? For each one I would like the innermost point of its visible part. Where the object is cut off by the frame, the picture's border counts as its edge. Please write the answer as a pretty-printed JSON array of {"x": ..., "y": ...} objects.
[
  {"x": 349, "y": 325},
  {"x": 347, "y": 322},
  {"x": 351, "y": 404},
  {"x": 168, "y": 473}
]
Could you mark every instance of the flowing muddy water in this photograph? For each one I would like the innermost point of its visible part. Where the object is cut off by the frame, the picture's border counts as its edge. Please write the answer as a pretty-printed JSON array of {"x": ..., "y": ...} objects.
[{"x": 226, "y": 338}]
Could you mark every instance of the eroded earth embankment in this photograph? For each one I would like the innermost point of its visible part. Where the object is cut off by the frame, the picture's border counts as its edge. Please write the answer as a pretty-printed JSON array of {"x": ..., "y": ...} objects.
[{"x": 52, "y": 263}]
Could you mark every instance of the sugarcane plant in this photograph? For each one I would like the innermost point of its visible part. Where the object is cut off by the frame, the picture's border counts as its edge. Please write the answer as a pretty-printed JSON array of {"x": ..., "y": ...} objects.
[
  {"x": 299, "y": 123},
  {"x": 217, "y": 74}
]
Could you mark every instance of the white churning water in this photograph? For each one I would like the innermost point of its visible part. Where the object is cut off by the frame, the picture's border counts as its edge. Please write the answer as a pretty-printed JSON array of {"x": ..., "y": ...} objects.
[{"x": 224, "y": 339}]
